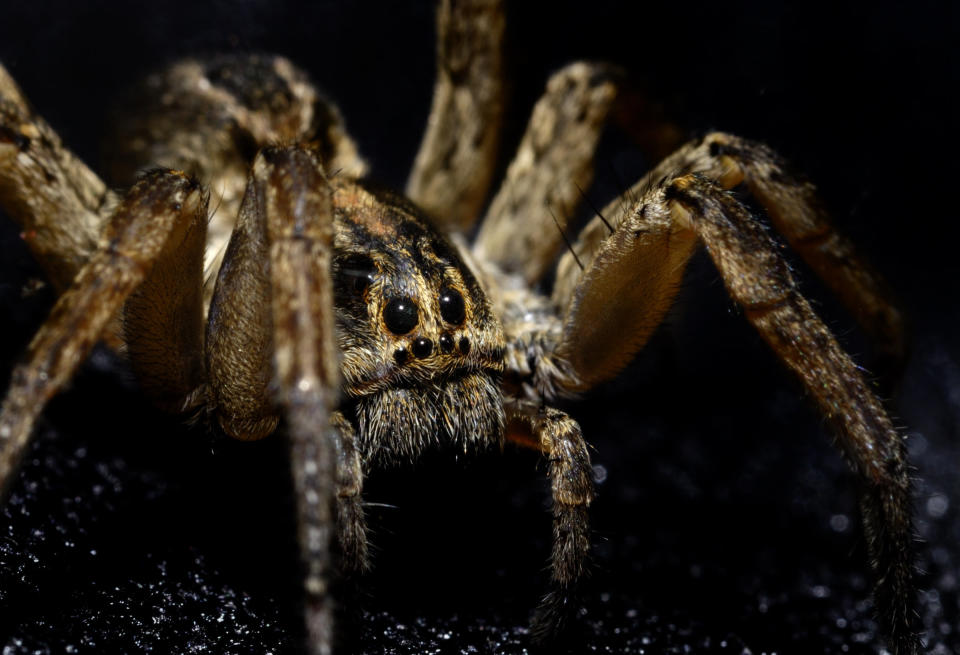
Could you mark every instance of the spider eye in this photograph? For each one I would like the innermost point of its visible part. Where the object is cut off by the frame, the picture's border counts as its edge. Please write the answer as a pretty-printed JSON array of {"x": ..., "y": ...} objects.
[
  {"x": 451, "y": 306},
  {"x": 357, "y": 272},
  {"x": 400, "y": 315}
]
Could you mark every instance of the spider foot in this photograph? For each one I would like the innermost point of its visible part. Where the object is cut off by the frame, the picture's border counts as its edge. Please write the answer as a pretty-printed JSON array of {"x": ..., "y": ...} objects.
[
  {"x": 555, "y": 615},
  {"x": 352, "y": 537},
  {"x": 571, "y": 544},
  {"x": 319, "y": 621}
]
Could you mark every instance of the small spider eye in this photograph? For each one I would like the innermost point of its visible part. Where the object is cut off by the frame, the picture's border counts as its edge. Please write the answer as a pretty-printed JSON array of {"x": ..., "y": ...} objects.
[
  {"x": 451, "y": 306},
  {"x": 400, "y": 315}
]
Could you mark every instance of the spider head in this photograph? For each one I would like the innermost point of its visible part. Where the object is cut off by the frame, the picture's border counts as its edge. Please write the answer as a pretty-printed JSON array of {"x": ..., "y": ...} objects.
[{"x": 422, "y": 349}]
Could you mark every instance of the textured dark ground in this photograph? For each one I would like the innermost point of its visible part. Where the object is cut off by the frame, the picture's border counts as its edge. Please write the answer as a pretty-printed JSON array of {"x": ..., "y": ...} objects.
[{"x": 726, "y": 522}]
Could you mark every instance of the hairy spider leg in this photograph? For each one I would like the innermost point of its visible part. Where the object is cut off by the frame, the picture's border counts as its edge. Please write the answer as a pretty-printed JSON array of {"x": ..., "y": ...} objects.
[
  {"x": 797, "y": 213},
  {"x": 351, "y": 522},
  {"x": 163, "y": 215},
  {"x": 552, "y": 166},
  {"x": 59, "y": 203},
  {"x": 454, "y": 167},
  {"x": 660, "y": 229},
  {"x": 286, "y": 220},
  {"x": 209, "y": 116},
  {"x": 561, "y": 441},
  {"x": 760, "y": 281},
  {"x": 524, "y": 227}
]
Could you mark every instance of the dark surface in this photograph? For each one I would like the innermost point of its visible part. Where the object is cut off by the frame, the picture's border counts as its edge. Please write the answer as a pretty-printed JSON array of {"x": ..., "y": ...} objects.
[{"x": 726, "y": 523}]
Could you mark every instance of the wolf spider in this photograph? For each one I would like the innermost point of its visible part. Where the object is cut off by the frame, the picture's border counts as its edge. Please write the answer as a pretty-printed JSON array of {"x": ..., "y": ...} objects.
[{"x": 340, "y": 309}]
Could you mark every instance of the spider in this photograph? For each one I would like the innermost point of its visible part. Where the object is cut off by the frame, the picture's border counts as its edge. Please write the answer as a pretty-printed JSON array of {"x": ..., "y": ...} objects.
[{"x": 433, "y": 339}]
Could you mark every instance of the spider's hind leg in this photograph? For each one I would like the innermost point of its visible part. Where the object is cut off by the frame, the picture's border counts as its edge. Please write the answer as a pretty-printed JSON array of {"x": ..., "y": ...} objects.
[{"x": 454, "y": 166}]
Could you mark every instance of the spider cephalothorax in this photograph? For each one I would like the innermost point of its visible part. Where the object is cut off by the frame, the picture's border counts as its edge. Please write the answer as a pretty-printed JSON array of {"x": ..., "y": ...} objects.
[
  {"x": 422, "y": 350},
  {"x": 342, "y": 313}
]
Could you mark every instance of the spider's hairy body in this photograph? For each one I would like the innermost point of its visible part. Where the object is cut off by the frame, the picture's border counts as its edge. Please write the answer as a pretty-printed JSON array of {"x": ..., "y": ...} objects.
[{"x": 366, "y": 327}]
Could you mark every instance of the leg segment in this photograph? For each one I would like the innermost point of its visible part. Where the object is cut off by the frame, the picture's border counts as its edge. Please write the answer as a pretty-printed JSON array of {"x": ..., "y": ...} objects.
[
  {"x": 163, "y": 321},
  {"x": 453, "y": 169},
  {"x": 797, "y": 213},
  {"x": 551, "y": 168},
  {"x": 571, "y": 484},
  {"x": 159, "y": 214},
  {"x": 59, "y": 203},
  {"x": 289, "y": 216},
  {"x": 351, "y": 524},
  {"x": 628, "y": 283},
  {"x": 239, "y": 343}
]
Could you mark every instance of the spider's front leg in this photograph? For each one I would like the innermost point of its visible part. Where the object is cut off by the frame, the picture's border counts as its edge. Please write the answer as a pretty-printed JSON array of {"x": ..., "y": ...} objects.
[
  {"x": 454, "y": 167},
  {"x": 641, "y": 263},
  {"x": 272, "y": 355},
  {"x": 162, "y": 217}
]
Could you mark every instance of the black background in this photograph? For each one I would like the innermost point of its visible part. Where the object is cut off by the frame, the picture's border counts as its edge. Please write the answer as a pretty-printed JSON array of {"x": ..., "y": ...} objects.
[{"x": 726, "y": 521}]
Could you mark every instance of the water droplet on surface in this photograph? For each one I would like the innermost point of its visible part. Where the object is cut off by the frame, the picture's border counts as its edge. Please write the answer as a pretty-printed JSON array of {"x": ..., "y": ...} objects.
[
  {"x": 937, "y": 505},
  {"x": 839, "y": 522},
  {"x": 821, "y": 591},
  {"x": 599, "y": 473}
]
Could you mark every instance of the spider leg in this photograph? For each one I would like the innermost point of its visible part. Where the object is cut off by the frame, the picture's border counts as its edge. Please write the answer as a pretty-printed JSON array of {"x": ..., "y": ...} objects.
[
  {"x": 656, "y": 238},
  {"x": 797, "y": 213},
  {"x": 760, "y": 281},
  {"x": 239, "y": 344},
  {"x": 571, "y": 484},
  {"x": 351, "y": 523},
  {"x": 554, "y": 163},
  {"x": 163, "y": 322},
  {"x": 59, "y": 203},
  {"x": 159, "y": 214},
  {"x": 287, "y": 213},
  {"x": 454, "y": 166}
]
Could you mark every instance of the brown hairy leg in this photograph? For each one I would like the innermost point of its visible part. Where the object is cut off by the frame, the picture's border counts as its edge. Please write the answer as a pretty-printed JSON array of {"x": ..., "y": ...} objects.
[
  {"x": 211, "y": 115},
  {"x": 796, "y": 212},
  {"x": 559, "y": 438},
  {"x": 553, "y": 164},
  {"x": 287, "y": 214},
  {"x": 454, "y": 167},
  {"x": 59, "y": 203},
  {"x": 659, "y": 233},
  {"x": 163, "y": 212},
  {"x": 523, "y": 230},
  {"x": 351, "y": 523},
  {"x": 760, "y": 281}
]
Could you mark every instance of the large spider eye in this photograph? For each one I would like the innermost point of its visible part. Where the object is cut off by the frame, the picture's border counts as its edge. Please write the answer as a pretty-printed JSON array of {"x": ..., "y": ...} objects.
[
  {"x": 400, "y": 315},
  {"x": 451, "y": 306}
]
